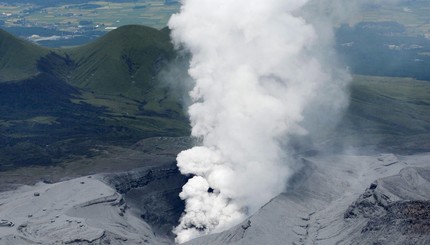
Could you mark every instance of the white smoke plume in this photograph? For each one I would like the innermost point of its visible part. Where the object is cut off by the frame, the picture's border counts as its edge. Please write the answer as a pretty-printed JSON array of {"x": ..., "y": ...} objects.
[{"x": 264, "y": 71}]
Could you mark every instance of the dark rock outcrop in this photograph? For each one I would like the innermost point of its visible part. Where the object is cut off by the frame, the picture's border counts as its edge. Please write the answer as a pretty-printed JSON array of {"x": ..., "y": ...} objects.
[
  {"x": 153, "y": 193},
  {"x": 396, "y": 209}
]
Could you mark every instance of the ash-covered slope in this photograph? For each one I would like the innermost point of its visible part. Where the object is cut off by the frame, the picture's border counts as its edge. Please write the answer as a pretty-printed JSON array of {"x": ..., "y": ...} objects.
[
  {"x": 78, "y": 211},
  {"x": 139, "y": 206},
  {"x": 326, "y": 205},
  {"x": 337, "y": 199},
  {"x": 396, "y": 209}
]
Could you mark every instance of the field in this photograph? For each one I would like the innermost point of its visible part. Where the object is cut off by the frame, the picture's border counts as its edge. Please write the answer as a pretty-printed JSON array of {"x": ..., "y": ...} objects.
[
  {"x": 104, "y": 15},
  {"x": 413, "y": 15},
  {"x": 94, "y": 15}
]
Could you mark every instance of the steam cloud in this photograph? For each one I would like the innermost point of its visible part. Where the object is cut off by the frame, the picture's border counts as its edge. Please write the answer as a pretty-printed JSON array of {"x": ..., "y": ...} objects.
[{"x": 264, "y": 71}]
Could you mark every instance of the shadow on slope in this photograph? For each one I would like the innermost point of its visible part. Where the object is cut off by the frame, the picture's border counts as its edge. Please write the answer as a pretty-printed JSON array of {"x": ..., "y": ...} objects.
[{"x": 56, "y": 104}]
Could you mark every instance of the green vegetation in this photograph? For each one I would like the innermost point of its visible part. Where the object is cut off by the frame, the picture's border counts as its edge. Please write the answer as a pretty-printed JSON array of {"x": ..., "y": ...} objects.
[
  {"x": 120, "y": 72},
  {"x": 72, "y": 16},
  {"x": 123, "y": 62},
  {"x": 107, "y": 92},
  {"x": 18, "y": 57},
  {"x": 412, "y": 14},
  {"x": 388, "y": 113}
]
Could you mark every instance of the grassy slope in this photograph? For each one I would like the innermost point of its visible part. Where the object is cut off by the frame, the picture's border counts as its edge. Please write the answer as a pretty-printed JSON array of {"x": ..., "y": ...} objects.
[
  {"x": 120, "y": 72},
  {"x": 106, "y": 92},
  {"x": 125, "y": 61},
  {"x": 388, "y": 113},
  {"x": 18, "y": 57},
  {"x": 122, "y": 64}
]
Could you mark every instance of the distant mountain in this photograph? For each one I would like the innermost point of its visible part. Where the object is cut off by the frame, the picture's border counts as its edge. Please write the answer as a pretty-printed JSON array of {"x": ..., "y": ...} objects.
[{"x": 60, "y": 102}]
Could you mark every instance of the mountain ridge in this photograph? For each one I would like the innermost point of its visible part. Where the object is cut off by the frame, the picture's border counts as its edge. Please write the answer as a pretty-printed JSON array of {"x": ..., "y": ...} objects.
[
  {"x": 105, "y": 92},
  {"x": 18, "y": 57},
  {"x": 123, "y": 60}
]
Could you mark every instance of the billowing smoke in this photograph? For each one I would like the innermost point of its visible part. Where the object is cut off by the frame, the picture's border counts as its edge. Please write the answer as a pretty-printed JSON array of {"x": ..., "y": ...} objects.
[{"x": 264, "y": 72}]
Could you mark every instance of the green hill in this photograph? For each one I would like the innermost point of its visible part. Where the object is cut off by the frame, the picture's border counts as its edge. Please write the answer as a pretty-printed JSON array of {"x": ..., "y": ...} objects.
[
  {"x": 105, "y": 93},
  {"x": 125, "y": 61},
  {"x": 18, "y": 57}
]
